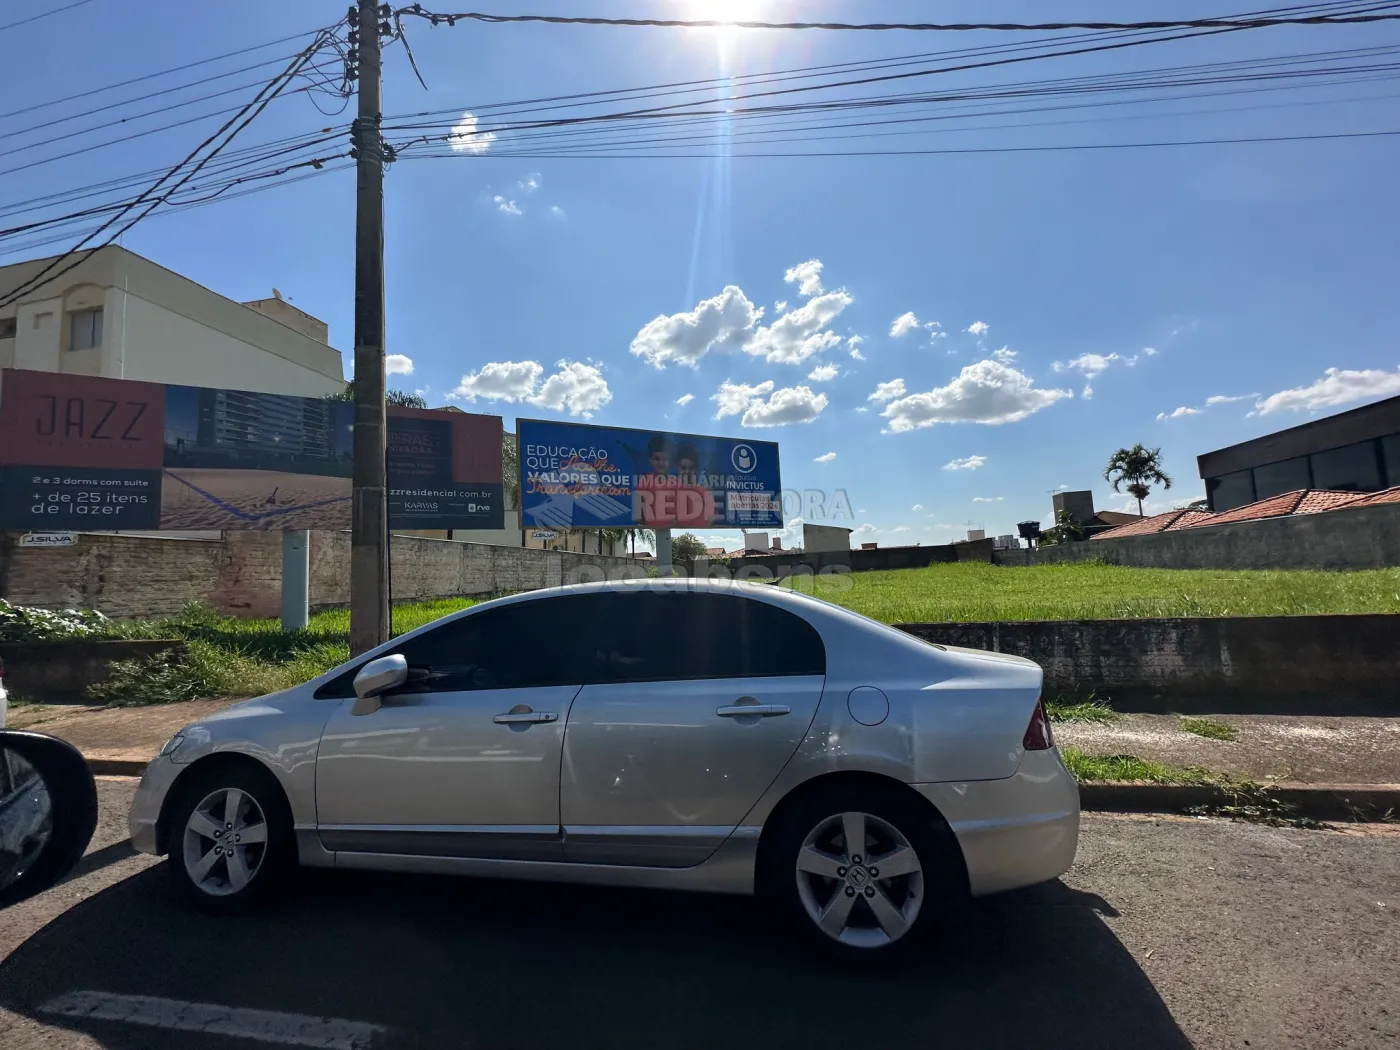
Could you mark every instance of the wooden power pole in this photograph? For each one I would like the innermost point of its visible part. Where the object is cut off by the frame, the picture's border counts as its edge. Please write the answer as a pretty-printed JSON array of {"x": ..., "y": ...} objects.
[{"x": 369, "y": 527}]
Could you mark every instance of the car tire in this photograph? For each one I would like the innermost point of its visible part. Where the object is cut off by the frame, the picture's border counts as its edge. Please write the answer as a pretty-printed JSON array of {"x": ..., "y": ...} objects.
[
  {"x": 230, "y": 839},
  {"x": 840, "y": 899}
]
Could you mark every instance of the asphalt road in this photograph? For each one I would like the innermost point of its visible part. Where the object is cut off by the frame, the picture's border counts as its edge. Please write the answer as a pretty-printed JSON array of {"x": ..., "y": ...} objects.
[{"x": 1168, "y": 933}]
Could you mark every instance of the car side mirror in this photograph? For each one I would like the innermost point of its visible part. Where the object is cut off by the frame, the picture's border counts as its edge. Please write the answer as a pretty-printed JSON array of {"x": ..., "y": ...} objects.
[
  {"x": 376, "y": 678},
  {"x": 48, "y": 812}
]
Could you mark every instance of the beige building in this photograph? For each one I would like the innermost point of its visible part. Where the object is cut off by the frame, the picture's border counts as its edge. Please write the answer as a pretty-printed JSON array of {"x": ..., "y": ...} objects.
[
  {"x": 119, "y": 315},
  {"x": 825, "y": 537}
]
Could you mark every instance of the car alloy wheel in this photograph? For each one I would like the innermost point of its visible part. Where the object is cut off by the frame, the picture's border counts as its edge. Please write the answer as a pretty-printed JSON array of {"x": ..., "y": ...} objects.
[
  {"x": 225, "y": 842},
  {"x": 859, "y": 880}
]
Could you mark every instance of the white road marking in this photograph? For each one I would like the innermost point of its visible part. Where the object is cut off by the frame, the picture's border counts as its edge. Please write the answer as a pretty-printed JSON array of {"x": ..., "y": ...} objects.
[{"x": 269, "y": 1026}]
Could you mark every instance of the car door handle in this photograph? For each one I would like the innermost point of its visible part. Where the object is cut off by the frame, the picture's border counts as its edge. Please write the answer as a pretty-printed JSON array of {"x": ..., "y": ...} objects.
[
  {"x": 515, "y": 718},
  {"x": 761, "y": 710}
]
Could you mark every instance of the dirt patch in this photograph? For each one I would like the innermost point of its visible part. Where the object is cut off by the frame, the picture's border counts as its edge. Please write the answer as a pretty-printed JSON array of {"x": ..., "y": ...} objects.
[
  {"x": 1280, "y": 748},
  {"x": 128, "y": 732}
]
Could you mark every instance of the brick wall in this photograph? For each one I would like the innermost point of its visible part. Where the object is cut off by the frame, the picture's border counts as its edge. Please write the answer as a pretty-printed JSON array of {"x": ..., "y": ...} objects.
[
  {"x": 241, "y": 574},
  {"x": 1354, "y": 538}
]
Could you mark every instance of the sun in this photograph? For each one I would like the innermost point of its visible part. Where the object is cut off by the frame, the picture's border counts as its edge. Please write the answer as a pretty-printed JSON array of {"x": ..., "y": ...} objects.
[{"x": 723, "y": 11}]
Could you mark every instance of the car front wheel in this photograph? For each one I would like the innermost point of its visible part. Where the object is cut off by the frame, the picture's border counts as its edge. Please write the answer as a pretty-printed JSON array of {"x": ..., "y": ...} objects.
[
  {"x": 231, "y": 841},
  {"x": 864, "y": 873}
]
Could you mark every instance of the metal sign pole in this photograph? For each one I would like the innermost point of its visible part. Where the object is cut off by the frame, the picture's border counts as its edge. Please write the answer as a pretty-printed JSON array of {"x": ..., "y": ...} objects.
[{"x": 296, "y": 579}]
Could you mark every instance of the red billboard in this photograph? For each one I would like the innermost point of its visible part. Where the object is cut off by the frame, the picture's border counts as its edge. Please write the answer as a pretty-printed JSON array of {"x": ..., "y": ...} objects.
[{"x": 83, "y": 452}]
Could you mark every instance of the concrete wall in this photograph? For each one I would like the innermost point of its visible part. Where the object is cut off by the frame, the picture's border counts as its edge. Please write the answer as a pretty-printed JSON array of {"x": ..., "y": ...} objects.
[
  {"x": 1343, "y": 665},
  {"x": 783, "y": 565},
  {"x": 65, "y": 670},
  {"x": 241, "y": 574},
  {"x": 1356, "y": 538}
]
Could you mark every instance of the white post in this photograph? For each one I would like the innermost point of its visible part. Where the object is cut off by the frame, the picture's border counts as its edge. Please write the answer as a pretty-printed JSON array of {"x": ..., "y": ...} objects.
[
  {"x": 296, "y": 579},
  {"x": 663, "y": 552}
]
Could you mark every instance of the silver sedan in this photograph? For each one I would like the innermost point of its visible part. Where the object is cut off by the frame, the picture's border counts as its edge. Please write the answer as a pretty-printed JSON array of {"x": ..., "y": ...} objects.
[{"x": 686, "y": 734}]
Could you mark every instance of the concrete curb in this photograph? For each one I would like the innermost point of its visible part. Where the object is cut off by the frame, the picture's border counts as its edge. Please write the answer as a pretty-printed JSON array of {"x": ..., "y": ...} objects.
[
  {"x": 1339, "y": 802},
  {"x": 117, "y": 767}
]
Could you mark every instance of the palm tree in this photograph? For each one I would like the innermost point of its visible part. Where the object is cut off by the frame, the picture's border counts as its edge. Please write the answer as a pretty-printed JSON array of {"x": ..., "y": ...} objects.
[
  {"x": 646, "y": 535},
  {"x": 1137, "y": 469}
]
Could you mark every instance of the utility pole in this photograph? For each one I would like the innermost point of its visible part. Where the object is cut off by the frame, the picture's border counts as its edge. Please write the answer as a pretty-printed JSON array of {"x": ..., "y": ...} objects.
[{"x": 369, "y": 523}]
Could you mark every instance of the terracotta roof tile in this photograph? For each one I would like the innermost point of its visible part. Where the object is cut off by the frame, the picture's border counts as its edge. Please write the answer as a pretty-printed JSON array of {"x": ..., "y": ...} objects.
[
  {"x": 1319, "y": 500},
  {"x": 1390, "y": 495},
  {"x": 1141, "y": 527},
  {"x": 1191, "y": 518},
  {"x": 1273, "y": 507}
]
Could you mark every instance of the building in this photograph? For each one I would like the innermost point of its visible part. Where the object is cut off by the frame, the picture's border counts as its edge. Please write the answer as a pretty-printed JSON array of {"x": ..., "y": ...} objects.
[
  {"x": 825, "y": 538},
  {"x": 1354, "y": 451},
  {"x": 119, "y": 315},
  {"x": 1079, "y": 505},
  {"x": 1285, "y": 504}
]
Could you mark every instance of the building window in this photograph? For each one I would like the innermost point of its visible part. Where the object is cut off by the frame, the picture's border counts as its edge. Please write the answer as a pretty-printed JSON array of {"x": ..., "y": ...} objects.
[
  {"x": 1229, "y": 490},
  {"x": 85, "y": 329},
  {"x": 1390, "y": 450},
  {"x": 1351, "y": 468},
  {"x": 1275, "y": 478},
  {"x": 8, "y": 327}
]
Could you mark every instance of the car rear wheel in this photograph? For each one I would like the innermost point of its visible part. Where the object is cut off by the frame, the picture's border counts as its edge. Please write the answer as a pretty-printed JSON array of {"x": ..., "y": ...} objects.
[
  {"x": 864, "y": 873},
  {"x": 231, "y": 842}
]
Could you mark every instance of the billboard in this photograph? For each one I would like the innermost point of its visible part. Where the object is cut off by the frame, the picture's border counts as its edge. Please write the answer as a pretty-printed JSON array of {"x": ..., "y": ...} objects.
[
  {"x": 578, "y": 476},
  {"x": 89, "y": 453}
]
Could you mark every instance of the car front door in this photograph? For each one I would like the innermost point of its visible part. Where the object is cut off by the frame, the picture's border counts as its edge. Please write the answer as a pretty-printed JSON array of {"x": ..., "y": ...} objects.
[
  {"x": 463, "y": 760},
  {"x": 696, "y": 702}
]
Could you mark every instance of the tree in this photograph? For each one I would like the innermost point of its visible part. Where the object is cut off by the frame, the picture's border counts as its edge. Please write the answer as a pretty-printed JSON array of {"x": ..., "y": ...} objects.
[
  {"x": 645, "y": 535},
  {"x": 401, "y": 398},
  {"x": 510, "y": 469},
  {"x": 685, "y": 548},
  {"x": 1136, "y": 469},
  {"x": 1065, "y": 530}
]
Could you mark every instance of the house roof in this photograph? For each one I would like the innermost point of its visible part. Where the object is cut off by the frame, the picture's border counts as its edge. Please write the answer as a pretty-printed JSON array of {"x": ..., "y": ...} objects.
[
  {"x": 1116, "y": 517},
  {"x": 1299, "y": 501}
]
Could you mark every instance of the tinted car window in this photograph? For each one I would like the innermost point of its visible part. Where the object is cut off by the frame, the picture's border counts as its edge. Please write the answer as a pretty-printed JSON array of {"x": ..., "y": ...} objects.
[
  {"x": 517, "y": 646},
  {"x": 650, "y": 636}
]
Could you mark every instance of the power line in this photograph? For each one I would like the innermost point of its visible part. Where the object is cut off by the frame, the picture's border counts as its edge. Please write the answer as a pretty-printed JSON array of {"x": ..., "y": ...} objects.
[
  {"x": 44, "y": 14},
  {"x": 242, "y": 119},
  {"x": 1041, "y": 27}
]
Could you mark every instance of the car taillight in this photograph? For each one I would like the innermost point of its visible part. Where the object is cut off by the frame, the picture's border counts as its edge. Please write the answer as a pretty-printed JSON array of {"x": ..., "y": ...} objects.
[{"x": 1038, "y": 736}]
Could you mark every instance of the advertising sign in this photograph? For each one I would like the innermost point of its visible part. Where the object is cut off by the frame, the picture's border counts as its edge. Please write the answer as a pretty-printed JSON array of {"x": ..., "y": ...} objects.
[
  {"x": 578, "y": 476},
  {"x": 88, "y": 453}
]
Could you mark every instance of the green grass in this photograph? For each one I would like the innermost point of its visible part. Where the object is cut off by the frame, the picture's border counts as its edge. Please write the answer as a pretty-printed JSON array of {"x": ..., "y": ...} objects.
[
  {"x": 1130, "y": 768},
  {"x": 968, "y": 591},
  {"x": 1090, "y": 709},
  {"x": 1210, "y": 727}
]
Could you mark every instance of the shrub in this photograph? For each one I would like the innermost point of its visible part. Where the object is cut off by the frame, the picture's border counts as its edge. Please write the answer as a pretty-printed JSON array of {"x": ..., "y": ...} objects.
[{"x": 19, "y": 623}]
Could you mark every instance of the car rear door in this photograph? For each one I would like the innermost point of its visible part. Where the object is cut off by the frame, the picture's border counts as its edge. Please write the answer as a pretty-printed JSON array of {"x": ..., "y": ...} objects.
[
  {"x": 696, "y": 701},
  {"x": 464, "y": 760}
]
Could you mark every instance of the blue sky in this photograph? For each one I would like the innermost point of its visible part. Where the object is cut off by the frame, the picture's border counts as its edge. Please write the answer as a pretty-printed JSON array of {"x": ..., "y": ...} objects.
[{"x": 1063, "y": 303}]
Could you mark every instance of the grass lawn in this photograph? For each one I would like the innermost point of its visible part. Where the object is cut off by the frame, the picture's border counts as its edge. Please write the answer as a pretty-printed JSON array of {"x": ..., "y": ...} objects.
[
  {"x": 971, "y": 592},
  {"x": 233, "y": 657}
]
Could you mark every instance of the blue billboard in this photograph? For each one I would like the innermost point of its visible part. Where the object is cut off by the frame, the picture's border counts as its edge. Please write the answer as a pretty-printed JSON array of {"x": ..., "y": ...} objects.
[{"x": 586, "y": 477}]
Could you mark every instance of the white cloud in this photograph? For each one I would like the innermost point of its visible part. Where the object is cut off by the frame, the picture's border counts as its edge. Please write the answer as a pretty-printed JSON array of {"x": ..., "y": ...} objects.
[
  {"x": 1222, "y": 399},
  {"x": 1148, "y": 351},
  {"x": 823, "y": 373},
  {"x": 793, "y": 404},
  {"x": 556, "y": 211},
  {"x": 507, "y": 207},
  {"x": 1090, "y": 364},
  {"x": 807, "y": 276},
  {"x": 979, "y": 328},
  {"x": 734, "y": 398},
  {"x": 864, "y": 530},
  {"x": 685, "y": 399},
  {"x": 530, "y": 183},
  {"x": 853, "y": 344},
  {"x": 1087, "y": 392},
  {"x": 904, "y": 324},
  {"x": 465, "y": 138},
  {"x": 398, "y": 364},
  {"x": 966, "y": 463},
  {"x": 888, "y": 391},
  {"x": 780, "y": 306},
  {"x": 802, "y": 332},
  {"x": 987, "y": 499},
  {"x": 901, "y": 528},
  {"x": 500, "y": 381},
  {"x": 1005, "y": 355},
  {"x": 985, "y": 392},
  {"x": 1177, "y": 413},
  {"x": 725, "y": 321},
  {"x": 917, "y": 506},
  {"x": 825, "y": 457},
  {"x": 578, "y": 387},
  {"x": 1336, "y": 387}
]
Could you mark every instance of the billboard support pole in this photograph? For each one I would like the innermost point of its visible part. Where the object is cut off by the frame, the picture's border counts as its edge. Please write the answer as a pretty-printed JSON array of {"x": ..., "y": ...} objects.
[
  {"x": 369, "y": 523},
  {"x": 296, "y": 579},
  {"x": 663, "y": 552}
]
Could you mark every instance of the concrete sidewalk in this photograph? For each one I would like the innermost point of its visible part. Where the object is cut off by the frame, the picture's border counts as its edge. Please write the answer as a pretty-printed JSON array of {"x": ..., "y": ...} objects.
[{"x": 119, "y": 741}]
